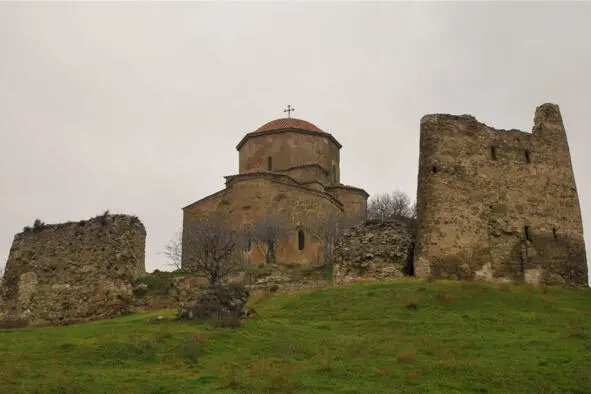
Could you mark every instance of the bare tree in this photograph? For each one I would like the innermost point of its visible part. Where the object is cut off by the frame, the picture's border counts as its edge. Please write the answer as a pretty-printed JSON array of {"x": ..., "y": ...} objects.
[
  {"x": 174, "y": 251},
  {"x": 212, "y": 248},
  {"x": 390, "y": 205},
  {"x": 329, "y": 229},
  {"x": 267, "y": 233}
]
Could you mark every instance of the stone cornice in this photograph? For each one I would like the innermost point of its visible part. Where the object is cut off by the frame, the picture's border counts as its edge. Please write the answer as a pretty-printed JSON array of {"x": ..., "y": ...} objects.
[
  {"x": 292, "y": 130},
  {"x": 352, "y": 188}
]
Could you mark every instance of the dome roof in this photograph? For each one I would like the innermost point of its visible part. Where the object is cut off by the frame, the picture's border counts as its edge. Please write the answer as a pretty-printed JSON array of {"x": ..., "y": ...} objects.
[{"x": 288, "y": 123}]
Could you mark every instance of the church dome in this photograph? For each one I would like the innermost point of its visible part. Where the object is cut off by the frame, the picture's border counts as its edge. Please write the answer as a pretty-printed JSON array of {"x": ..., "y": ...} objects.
[{"x": 288, "y": 123}]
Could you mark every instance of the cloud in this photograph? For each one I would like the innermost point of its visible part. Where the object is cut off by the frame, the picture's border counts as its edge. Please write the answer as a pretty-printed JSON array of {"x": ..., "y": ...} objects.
[{"x": 138, "y": 107}]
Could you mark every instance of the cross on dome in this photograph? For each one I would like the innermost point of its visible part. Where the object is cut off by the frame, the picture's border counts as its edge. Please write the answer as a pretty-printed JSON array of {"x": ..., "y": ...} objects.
[{"x": 289, "y": 110}]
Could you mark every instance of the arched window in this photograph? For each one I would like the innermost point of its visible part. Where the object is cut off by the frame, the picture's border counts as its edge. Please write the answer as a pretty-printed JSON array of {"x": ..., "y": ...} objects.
[
  {"x": 334, "y": 173},
  {"x": 301, "y": 240},
  {"x": 270, "y": 163},
  {"x": 493, "y": 152},
  {"x": 527, "y": 159}
]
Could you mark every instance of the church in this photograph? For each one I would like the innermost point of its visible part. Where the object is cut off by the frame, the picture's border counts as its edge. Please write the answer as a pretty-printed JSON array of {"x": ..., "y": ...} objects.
[{"x": 288, "y": 168}]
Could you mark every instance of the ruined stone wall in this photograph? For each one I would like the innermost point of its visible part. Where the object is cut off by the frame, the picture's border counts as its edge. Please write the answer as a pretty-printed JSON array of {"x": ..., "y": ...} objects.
[
  {"x": 248, "y": 199},
  {"x": 498, "y": 205},
  {"x": 287, "y": 150},
  {"x": 73, "y": 272},
  {"x": 374, "y": 250}
]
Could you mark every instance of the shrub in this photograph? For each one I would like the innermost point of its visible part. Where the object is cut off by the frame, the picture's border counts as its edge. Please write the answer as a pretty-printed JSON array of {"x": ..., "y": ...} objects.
[
  {"x": 406, "y": 356},
  {"x": 230, "y": 378},
  {"x": 191, "y": 349},
  {"x": 280, "y": 380},
  {"x": 412, "y": 377},
  {"x": 412, "y": 305},
  {"x": 445, "y": 298},
  {"x": 38, "y": 225},
  {"x": 157, "y": 285}
]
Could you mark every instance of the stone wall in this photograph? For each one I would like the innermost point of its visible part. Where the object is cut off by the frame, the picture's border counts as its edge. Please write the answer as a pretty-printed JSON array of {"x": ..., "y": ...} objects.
[
  {"x": 73, "y": 272},
  {"x": 248, "y": 198},
  {"x": 165, "y": 290},
  {"x": 498, "y": 205},
  {"x": 289, "y": 149},
  {"x": 308, "y": 173},
  {"x": 374, "y": 250}
]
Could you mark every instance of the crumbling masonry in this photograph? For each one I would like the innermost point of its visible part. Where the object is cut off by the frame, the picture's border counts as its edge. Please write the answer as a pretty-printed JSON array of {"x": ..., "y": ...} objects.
[
  {"x": 498, "y": 205},
  {"x": 73, "y": 272}
]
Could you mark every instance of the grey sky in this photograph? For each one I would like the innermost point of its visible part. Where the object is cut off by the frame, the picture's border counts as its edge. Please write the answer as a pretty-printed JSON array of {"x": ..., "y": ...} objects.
[{"x": 137, "y": 107}]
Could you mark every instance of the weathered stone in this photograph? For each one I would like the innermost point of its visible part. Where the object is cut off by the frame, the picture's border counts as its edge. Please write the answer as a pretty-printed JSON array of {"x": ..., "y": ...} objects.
[
  {"x": 229, "y": 300},
  {"x": 289, "y": 169},
  {"x": 498, "y": 205},
  {"x": 73, "y": 272},
  {"x": 374, "y": 250}
]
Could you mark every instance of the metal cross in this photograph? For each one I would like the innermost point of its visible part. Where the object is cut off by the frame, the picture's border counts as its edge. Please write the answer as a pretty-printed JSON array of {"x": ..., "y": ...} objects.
[{"x": 288, "y": 110}]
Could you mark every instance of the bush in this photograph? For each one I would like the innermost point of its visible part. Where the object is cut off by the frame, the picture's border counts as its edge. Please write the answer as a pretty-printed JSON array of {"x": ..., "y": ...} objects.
[
  {"x": 224, "y": 303},
  {"x": 38, "y": 225},
  {"x": 157, "y": 285}
]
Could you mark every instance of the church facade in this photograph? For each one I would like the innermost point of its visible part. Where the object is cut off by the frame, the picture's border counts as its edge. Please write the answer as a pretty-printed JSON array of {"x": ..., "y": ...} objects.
[{"x": 288, "y": 169}]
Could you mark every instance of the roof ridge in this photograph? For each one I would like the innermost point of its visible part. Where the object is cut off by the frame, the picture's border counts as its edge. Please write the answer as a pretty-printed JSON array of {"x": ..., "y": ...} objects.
[{"x": 289, "y": 123}]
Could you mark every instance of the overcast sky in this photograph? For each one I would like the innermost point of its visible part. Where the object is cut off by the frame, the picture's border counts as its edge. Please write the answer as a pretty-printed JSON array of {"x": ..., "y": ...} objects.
[{"x": 137, "y": 108}]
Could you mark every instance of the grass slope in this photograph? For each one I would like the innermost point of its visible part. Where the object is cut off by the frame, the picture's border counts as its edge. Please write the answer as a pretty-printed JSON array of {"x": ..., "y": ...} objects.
[{"x": 395, "y": 337}]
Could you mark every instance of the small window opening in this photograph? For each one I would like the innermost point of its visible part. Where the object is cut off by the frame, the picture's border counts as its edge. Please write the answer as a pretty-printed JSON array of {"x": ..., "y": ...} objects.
[
  {"x": 248, "y": 244},
  {"x": 270, "y": 163},
  {"x": 521, "y": 265},
  {"x": 554, "y": 232},
  {"x": 493, "y": 152},
  {"x": 434, "y": 169},
  {"x": 301, "y": 240},
  {"x": 527, "y": 159},
  {"x": 526, "y": 233},
  {"x": 334, "y": 173}
]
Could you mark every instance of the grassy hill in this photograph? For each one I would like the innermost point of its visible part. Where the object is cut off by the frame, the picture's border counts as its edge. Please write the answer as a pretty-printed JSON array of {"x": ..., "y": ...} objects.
[{"x": 395, "y": 337}]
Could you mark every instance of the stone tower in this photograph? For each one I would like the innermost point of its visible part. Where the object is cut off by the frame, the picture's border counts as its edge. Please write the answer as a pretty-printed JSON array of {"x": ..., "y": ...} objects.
[{"x": 498, "y": 205}]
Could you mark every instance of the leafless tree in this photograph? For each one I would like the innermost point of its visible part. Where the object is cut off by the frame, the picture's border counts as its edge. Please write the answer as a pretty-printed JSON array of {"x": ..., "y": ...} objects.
[
  {"x": 390, "y": 205},
  {"x": 267, "y": 233},
  {"x": 174, "y": 251},
  {"x": 329, "y": 229},
  {"x": 212, "y": 248}
]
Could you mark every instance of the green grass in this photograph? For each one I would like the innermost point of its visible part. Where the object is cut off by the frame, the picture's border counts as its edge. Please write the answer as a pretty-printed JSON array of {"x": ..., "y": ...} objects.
[{"x": 395, "y": 337}]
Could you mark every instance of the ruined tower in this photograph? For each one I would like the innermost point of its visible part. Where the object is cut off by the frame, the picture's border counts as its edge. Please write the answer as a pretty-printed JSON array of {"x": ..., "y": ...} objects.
[{"x": 498, "y": 205}]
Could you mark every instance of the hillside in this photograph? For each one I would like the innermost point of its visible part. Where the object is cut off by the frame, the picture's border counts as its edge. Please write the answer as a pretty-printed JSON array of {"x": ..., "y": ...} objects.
[{"x": 404, "y": 336}]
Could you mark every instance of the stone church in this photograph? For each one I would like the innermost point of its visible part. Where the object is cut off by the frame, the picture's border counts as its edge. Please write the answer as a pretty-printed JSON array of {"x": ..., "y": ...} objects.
[{"x": 288, "y": 168}]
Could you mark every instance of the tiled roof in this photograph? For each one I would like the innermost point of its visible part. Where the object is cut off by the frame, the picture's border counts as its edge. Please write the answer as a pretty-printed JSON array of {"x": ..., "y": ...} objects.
[{"x": 288, "y": 123}]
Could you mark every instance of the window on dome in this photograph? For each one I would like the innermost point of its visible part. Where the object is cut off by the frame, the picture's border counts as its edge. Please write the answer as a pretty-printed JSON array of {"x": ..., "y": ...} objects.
[{"x": 334, "y": 173}]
